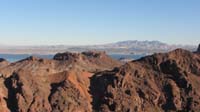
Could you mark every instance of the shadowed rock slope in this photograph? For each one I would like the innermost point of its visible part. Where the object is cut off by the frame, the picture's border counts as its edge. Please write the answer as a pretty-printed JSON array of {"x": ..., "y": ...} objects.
[{"x": 92, "y": 81}]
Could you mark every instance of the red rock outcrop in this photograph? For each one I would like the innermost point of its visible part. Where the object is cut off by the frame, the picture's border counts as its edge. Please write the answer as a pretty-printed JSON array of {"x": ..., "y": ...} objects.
[
  {"x": 92, "y": 61},
  {"x": 44, "y": 85},
  {"x": 92, "y": 81},
  {"x": 161, "y": 82}
]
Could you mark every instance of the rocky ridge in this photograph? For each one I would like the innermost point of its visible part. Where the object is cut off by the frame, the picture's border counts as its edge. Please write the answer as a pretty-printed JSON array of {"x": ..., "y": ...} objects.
[
  {"x": 43, "y": 85},
  {"x": 156, "y": 83},
  {"x": 92, "y": 81}
]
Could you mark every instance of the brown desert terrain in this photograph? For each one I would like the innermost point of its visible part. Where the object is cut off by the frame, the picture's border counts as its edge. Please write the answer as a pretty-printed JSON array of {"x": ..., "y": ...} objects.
[{"x": 92, "y": 81}]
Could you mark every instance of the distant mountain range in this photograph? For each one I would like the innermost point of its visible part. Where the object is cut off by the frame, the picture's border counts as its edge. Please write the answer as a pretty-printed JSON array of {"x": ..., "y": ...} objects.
[
  {"x": 122, "y": 47},
  {"x": 134, "y": 47}
]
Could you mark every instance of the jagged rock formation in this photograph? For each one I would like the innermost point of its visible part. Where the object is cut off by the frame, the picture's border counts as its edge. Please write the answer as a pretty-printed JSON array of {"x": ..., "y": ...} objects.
[
  {"x": 92, "y": 81},
  {"x": 92, "y": 60},
  {"x": 161, "y": 82},
  {"x": 43, "y": 85}
]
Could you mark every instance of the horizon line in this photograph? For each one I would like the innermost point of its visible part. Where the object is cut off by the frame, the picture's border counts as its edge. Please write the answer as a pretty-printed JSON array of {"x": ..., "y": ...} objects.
[{"x": 96, "y": 44}]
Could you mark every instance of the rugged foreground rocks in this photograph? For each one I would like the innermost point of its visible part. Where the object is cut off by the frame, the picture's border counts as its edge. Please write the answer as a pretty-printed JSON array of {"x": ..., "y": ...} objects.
[
  {"x": 58, "y": 85},
  {"x": 92, "y": 81}
]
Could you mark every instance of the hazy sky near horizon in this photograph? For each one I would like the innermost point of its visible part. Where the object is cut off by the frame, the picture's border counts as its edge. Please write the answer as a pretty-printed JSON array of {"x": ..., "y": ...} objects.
[{"x": 81, "y": 22}]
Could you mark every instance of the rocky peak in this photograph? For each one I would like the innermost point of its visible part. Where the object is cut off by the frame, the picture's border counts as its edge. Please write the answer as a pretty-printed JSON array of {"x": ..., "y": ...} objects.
[
  {"x": 94, "y": 54},
  {"x": 75, "y": 56},
  {"x": 160, "y": 82},
  {"x": 31, "y": 58},
  {"x": 66, "y": 56},
  {"x": 90, "y": 60}
]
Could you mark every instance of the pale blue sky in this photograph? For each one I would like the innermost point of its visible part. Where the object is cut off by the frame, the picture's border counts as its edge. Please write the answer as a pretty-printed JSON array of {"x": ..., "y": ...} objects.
[{"x": 80, "y": 22}]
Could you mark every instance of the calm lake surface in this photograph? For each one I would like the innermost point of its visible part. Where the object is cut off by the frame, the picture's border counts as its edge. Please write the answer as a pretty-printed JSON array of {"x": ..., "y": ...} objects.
[{"x": 17, "y": 57}]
